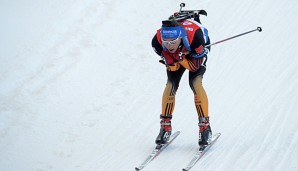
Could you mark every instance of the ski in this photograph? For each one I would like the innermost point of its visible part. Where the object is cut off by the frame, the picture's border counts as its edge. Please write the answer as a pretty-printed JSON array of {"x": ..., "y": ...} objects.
[
  {"x": 202, "y": 150},
  {"x": 157, "y": 150}
]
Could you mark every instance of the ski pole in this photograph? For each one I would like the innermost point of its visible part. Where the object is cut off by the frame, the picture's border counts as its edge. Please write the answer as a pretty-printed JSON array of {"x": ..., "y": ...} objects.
[{"x": 257, "y": 29}]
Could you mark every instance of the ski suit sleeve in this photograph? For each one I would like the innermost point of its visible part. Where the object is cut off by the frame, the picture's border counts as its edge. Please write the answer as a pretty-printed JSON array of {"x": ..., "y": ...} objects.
[
  {"x": 198, "y": 45},
  {"x": 157, "y": 47},
  {"x": 198, "y": 53}
]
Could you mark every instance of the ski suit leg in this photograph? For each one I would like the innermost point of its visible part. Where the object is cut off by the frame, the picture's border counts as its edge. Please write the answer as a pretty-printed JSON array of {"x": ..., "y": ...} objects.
[
  {"x": 168, "y": 98},
  {"x": 200, "y": 96}
]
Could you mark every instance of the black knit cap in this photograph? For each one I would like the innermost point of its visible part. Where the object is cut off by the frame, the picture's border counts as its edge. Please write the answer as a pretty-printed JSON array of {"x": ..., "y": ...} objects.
[{"x": 170, "y": 23}]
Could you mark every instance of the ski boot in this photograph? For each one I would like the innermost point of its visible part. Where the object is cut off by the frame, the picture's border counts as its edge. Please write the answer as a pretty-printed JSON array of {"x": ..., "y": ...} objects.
[
  {"x": 165, "y": 130},
  {"x": 205, "y": 133}
]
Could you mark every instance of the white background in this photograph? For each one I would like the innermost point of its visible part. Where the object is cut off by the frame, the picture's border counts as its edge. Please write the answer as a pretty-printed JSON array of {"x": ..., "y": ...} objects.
[{"x": 81, "y": 87}]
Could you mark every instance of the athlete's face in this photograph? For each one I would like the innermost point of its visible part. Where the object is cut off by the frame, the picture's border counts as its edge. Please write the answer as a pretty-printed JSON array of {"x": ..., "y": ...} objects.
[{"x": 171, "y": 44}]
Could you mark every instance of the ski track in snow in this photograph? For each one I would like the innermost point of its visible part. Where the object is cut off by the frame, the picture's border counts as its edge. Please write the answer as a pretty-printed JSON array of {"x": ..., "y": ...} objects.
[{"x": 81, "y": 86}]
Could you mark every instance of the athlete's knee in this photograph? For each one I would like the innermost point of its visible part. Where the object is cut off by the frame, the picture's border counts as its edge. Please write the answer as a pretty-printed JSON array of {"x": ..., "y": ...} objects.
[
  {"x": 195, "y": 83},
  {"x": 173, "y": 85}
]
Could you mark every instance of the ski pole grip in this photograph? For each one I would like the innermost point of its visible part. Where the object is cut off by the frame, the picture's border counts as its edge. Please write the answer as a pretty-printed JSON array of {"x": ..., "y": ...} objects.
[{"x": 259, "y": 29}]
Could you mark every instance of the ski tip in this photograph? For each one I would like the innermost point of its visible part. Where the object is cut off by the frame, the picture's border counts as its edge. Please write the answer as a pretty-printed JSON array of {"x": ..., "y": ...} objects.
[
  {"x": 176, "y": 133},
  {"x": 218, "y": 134}
]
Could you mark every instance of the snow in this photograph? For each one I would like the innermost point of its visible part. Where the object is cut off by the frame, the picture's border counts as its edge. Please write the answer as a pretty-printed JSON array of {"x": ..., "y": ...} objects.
[{"x": 81, "y": 86}]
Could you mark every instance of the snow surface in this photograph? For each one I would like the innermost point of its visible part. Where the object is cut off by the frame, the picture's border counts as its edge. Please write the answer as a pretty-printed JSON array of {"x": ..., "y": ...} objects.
[{"x": 80, "y": 86}]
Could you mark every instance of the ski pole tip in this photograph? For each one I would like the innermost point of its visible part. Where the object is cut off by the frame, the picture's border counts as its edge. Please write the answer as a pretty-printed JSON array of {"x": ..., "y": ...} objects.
[
  {"x": 182, "y": 5},
  {"x": 259, "y": 29}
]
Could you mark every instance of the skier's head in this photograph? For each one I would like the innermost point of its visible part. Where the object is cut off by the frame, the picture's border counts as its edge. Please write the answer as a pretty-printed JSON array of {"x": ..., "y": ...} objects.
[{"x": 171, "y": 33}]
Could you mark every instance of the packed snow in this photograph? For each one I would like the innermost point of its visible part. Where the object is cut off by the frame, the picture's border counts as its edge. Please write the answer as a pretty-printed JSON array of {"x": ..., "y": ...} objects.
[{"x": 81, "y": 87}]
